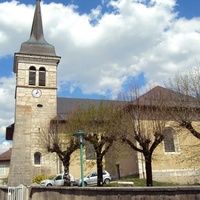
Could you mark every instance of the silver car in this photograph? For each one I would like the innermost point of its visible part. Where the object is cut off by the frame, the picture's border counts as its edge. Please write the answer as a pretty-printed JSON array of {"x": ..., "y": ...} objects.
[
  {"x": 91, "y": 178},
  {"x": 57, "y": 180}
]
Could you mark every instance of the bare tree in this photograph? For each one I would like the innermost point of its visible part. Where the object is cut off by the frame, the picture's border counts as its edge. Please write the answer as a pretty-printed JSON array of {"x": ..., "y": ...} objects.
[
  {"x": 100, "y": 124},
  {"x": 142, "y": 125},
  {"x": 59, "y": 140},
  {"x": 185, "y": 99}
]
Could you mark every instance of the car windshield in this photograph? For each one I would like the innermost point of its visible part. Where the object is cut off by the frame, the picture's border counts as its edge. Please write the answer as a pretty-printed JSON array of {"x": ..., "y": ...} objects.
[
  {"x": 88, "y": 175},
  {"x": 51, "y": 178},
  {"x": 91, "y": 174}
]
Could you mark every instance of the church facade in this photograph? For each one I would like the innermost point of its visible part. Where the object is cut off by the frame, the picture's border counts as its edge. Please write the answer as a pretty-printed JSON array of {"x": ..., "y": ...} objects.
[{"x": 36, "y": 104}]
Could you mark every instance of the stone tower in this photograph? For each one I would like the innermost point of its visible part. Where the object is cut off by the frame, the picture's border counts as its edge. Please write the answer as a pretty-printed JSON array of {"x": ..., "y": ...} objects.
[{"x": 35, "y": 105}]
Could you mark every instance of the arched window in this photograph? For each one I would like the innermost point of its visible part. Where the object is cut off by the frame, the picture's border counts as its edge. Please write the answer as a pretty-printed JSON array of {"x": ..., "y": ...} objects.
[
  {"x": 42, "y": 76},
  {"x": 32, "y": 75},
  {"x": 37, "y": 158},
  {"x": 89, "y": 151},
  {"x": 169, "y": 139}
]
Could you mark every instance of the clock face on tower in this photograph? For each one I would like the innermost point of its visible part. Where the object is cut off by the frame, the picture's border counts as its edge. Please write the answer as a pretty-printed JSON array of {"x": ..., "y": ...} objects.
[{"x": 36, "y": 93}]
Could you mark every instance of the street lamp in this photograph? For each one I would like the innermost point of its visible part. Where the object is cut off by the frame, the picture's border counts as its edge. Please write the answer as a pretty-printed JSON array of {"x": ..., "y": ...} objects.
[{"x": 81, "y": 134}]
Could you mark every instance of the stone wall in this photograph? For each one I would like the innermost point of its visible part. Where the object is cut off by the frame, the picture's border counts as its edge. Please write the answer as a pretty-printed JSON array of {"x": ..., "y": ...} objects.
[
  {"x": 32, "y": 119},
  {"x": 105, "y": 193},
  {"x": 3, "y": 193}
]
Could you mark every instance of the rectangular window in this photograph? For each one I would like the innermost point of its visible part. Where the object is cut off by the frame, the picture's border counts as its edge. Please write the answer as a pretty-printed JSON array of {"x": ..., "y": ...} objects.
[
  {"x": 169, "y": 143},
  {"x": 89, "y": 151},
  {"x": 169, "y": 146},
  {"x": 2, "y": 169},
  {"x": 32, "y": 75},
  {"x": 37, "y": 158},
  {"x": 169, "y": 140},
  {"x": 32, "y": 78},
  {"x": 42, "y": 78}
]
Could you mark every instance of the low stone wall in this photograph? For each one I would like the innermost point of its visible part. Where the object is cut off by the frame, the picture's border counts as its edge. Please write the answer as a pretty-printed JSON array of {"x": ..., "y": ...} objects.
[
  {"x": 118, "y": 193},
  {"x": 105, "y": 193},
  {"x": 3, "y": 193},
  {"x": 181, "y": 177}
]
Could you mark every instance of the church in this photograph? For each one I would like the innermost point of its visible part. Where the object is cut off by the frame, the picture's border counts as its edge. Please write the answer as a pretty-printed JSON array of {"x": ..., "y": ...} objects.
[{"x": 36, "y": 104}]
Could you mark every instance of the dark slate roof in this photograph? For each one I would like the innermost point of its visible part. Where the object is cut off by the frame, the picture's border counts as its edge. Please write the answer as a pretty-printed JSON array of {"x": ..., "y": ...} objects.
[
  {"x": 36, "y": 44},
  {"x": 64, "y": 107},
  {"x": 67, "y": 105},
  {"x": 151, "y": 98},
  {"x": 6, "y": 155}
]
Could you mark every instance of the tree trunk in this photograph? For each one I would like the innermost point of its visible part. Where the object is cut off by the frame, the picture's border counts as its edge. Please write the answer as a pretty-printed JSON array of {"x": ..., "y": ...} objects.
[
  {"x": 148, "y": 167},
  {"x": 99, "y": 171},
  {"x": 66, "y": 162}
]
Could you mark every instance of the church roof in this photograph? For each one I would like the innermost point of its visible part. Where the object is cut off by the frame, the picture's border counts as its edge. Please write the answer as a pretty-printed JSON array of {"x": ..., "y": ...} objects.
[
  {"x": 167, "y": 96},
  {"x": 64, "y": 107},
  {"x": 67, "y": 105},
  {"x": 6, "y": 155},
  {"x": 36, "y": 44}
]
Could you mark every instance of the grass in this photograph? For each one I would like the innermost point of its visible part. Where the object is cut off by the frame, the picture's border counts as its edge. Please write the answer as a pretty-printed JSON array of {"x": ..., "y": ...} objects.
[{"x": 140, "y": 182}]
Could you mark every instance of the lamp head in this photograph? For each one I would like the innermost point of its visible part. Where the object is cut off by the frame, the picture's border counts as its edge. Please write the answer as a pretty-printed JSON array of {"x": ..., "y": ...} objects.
[{"x": 79, "y": 133}]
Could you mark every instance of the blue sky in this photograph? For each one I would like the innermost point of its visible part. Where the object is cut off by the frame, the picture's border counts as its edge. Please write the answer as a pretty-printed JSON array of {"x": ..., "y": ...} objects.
[{"x": 105, "y": 45}]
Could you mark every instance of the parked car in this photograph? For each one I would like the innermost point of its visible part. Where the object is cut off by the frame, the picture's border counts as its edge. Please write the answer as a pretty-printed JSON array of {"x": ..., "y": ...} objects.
[
  {"x": 57, "y": 180},
  {"x": 91, "y": 178}
]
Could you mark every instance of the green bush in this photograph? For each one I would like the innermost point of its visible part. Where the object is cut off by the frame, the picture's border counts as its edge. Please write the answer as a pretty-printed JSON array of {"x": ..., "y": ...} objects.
[{"x": 39, "y": 178}]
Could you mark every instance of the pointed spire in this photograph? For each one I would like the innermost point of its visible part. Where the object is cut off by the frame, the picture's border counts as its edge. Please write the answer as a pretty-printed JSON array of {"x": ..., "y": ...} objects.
[
  {"x": 37, "y": 28},
  {"x": 36, "y": 43}
]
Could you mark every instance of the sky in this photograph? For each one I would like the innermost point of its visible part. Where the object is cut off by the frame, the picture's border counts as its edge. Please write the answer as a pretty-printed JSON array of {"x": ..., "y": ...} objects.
[{"x": 105, "y": 45}]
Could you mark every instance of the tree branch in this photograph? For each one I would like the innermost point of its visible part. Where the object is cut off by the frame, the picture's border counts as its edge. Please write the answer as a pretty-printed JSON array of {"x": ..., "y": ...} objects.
[
  {"x": 189, "y": 127},
  {"x": 124, "y": 139}
]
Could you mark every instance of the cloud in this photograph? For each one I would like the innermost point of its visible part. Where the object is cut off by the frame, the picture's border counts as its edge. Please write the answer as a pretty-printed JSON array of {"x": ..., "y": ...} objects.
[
  {"x": 101, "y": 50},
  {"x": 7, "y": 85},
  {"x": 13, "y": 26},
  {"x": 4, "y": 146},
  {"x": 133, "y": 37}
]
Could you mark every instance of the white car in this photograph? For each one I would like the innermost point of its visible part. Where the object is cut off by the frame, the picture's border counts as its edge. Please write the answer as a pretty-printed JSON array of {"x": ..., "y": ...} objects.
[
  {"x": 91, "y": 178},
  {"x": 57, "y": 180}
]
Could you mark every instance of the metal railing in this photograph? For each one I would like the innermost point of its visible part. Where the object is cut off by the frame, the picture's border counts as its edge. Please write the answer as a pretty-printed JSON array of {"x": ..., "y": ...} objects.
[{"x": 17, "y": 193}]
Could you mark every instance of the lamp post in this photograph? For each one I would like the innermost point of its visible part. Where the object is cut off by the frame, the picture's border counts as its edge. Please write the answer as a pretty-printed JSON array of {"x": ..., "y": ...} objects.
[{"x": 81, "y": 134}]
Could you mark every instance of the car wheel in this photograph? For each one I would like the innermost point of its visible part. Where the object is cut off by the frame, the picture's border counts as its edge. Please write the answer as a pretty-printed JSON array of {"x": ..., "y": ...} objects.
[
  {"x": 49, "y": 185},
  {"x": 107, "y": 181}
]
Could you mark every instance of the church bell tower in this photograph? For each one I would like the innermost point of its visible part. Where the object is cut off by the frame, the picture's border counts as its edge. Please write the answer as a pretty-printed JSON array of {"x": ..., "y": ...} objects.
[{"x": 35, "y": 105}]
